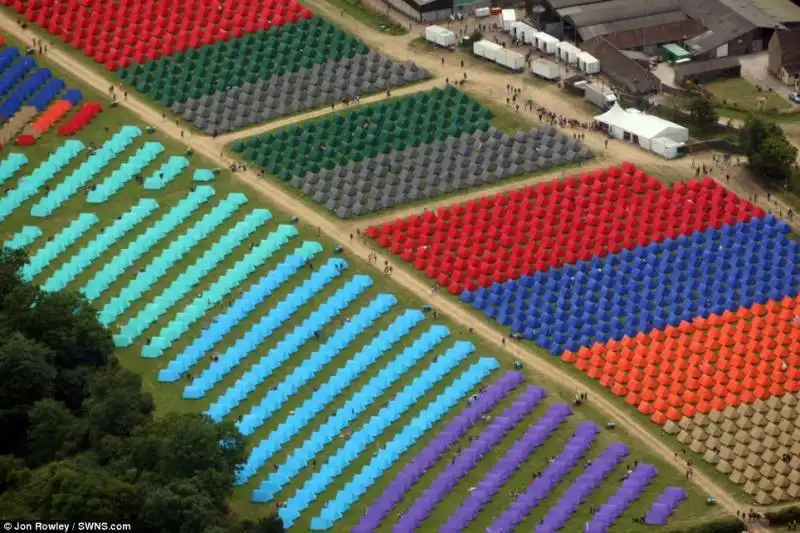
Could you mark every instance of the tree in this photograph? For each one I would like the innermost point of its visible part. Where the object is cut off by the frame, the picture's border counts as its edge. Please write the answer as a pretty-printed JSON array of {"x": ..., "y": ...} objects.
[
  {"x": 54, "y": 432},
  {"x": 703, "y": 113},
  {"x": 27, "y": 370},
  {"x": 116, "y": 404},
  {"x": 11, "y": 263},
  {"x": 770, "y": 155}
]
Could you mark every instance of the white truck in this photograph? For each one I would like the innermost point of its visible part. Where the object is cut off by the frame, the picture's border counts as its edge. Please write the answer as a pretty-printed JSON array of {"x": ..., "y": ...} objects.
[
  {"x": 508, "y": 17},
  {"x": 486, "y": 49},
  {"x": 545, "y": 69},
  {"x": 599, "y": 96},
  {"x": 523, "y": 32},
  {"x": 546, "y": 42},
  {"x": 510, "y": 59},
  {"x": 440, "y": 36}
]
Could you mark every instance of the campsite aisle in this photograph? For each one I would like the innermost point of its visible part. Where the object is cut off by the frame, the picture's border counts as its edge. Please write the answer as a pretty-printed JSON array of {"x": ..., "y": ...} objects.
[{"x": 549, "y": 367}]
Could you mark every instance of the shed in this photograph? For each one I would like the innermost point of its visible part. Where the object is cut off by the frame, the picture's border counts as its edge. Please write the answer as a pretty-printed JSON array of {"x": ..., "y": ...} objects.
[
  {"x": 707, "y": 71},
  {"x": 546, "y": 42},
  {"x": 673, "y": 52},
  {"x": 567, "y": 52},
  {"x": 650, "y": 132}
]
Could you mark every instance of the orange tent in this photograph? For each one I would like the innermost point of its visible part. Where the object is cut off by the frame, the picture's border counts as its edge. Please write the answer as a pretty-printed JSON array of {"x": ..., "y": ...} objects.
[
  {"x": 621, "y": 377},
  {"x": 772, "y": 306},
  {"x": 651, "y": 370},
  {"x": 734, "y": 386},
  {"x": 732, "y": 400},
  {"x": 714, "y": 320},
  {"x": 635, "y": 386},
  {"x": 674, "y": 400},
  {"x": 719, "y": 390},
  {"x": 749, "y": 383},
  {"x": 663, "y": 379},
  {"x": 692, "y": 384},
  {"x": 776, "y": 389},
  {"x": 658, "y": 335},
  {"x": 758, "y": 309},
  {"x": 697, "y": 348},
  {"x": 704, "y": 407},
  {"x": 717, "y": 404},
  {"x": 648, "y": 395},
  {"x": 690, "y": 397},
  {"x": 685, "y": 327},
  {"x": 659, "y": 418},
  {"x": 761, "y": 392},
  {"x": 791, "y": 386},
  {"x": 594, "y": 373},
  {"x": 676, "y": 388},
  {"x": 660, "y": 404},
  {"x": 645, "y": 408},
  {"x": 721, "y": 377},
  {"x": 743, "y": 313},
  {"x": 628, "y": 342},
  {"x": 632, "y": 399},
  {"x": 650, "y": 383},
  {"x": 705, "y": 394},
  {"x": 788, "y": 301},
  {"x": 747, "y": 396},
  {"x": 778, "y": 377},
  {"x": 619, "y": 390},
  {"x": 585, "y": 353},
  {"x": 583, "y": 365},
  {"x": 679, "y": 376},
  {"x": 673, "y": 414},
  {"x": 606, "y": 380},
  {"x": 569, "y": 357},
  {"x": 707, "y": 381},
  {"x": 688, "y": 410},
  {"x": 728, "y": 317},
  {"x": 701, "y": 323},
  {"x": 641, "y": 338},
  {"x": 738, "y": 374}
]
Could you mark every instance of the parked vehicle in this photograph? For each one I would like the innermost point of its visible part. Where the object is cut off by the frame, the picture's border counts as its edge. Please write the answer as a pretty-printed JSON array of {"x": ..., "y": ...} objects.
[
  {"x": 794, "y": 97},
  {"x": 545, "y": 69},
  {"x": 440, "y": 36},
  {"x": 599, "y": 96}
]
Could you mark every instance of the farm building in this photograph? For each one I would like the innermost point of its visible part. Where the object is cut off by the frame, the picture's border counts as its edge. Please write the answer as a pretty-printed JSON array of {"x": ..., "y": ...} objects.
[
  {"x": 623, "y": 70},
  {"x": 650, "y": 132},
  {"x": 737, "y": 27},
  {"x": 784, "y": 56},
  {"x": 707, "y": 71},
  {"x": 433, "y": 10}
]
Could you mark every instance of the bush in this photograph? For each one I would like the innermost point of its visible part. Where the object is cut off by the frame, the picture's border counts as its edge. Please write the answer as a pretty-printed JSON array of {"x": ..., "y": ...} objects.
[
  {"x": 784, "y": 516},
  {"x": 724, "y": 525}
]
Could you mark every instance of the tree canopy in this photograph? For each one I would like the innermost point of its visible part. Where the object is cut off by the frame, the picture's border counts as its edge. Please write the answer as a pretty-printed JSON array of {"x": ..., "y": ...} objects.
[
  {"x": 769, "y": 153},
  {"x": 80, "y": 438}
]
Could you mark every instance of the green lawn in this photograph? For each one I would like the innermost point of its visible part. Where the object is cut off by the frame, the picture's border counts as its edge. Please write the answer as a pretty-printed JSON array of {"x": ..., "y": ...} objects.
[
  {"x": 168, "y": 396},
  {"x": 740, "y": 95}
]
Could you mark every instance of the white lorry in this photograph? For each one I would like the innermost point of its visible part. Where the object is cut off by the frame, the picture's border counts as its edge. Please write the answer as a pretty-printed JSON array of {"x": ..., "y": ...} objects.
[
  {"x": 440, "y": 36},
  {"x": 510, "y": 59},
  {"x": 545, "y": 69},
  {"x": 599, "y": 96}
]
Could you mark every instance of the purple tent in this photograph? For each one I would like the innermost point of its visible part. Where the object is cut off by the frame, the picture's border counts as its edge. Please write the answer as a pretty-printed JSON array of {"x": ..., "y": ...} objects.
[
  {"x": 629, "y": 491},
  {"x": 426, "y": 458},
  {"x": 664, "y": 506}
]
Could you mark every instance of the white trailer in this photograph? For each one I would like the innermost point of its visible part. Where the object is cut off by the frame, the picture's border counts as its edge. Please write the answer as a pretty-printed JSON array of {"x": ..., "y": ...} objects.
[
  {"x": 567, "y": 52},
  {"x": 482, "y": 12},
  {"x": 599, "y": 96},
  {"x": 546, "y": 42},
  {"x": 545, "y": 69},
  {"x": 588, "y": 63},
  {"x": 523, "y": 32},
  {"x": 510, "y": 59},
  {"x": 440, "y": 36},
  {"x": 486, "y": 49},
  {"x": 508, "y": 17}
]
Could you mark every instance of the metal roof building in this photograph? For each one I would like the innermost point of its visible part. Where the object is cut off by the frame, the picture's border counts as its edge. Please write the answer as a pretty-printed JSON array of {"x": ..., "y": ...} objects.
[{"x": 616, "y": 10}]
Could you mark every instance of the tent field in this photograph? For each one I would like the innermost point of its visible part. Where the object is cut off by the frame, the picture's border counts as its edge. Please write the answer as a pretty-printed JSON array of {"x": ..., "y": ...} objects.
[
  {"x": 413, "y": 148},
  {"x": 355, "y": 401},
  {"x": 226, "y": 66},
  {"x": 681, "y": 300}
]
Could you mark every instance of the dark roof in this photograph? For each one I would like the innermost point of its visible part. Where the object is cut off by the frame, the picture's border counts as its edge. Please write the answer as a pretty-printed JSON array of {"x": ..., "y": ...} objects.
[
  {"x": 766, "y": 13},
  {"x": 598, "y": 30},
  {"x": 561, "y": 4},
  {"x": 719, "y": 64},
  {"x": 665, "y": 33},
  {"x": 723, "y": 24},
  {"x": 621, "y": 68},
  {"x": 792, "y": 69},
  {"x": 790, "y": 46},
  {"x": 616, "y": 10}
]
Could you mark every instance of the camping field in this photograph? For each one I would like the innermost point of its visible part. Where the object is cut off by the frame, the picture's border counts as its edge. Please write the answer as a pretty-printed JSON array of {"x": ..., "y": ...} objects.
[{"x": 228, "y": 292}]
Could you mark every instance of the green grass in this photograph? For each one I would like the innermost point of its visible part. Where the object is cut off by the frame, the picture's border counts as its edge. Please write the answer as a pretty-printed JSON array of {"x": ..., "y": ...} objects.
[
  {"x": 168, "y": 396},
  {"x": 369, "y": 16},
  {"x": 740, "y": 95}
]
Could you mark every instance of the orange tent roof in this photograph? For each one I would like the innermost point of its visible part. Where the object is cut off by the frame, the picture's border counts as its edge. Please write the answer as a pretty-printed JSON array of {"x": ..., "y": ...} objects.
[
  {"x": 704, "y": 407},
  {"x": 701, "y": 323},
  {"x": 606, "y": 380},
  {"x": 714, "y": 319},
  {"x": 659, "y": 418},
  {"x": 643, "y": 339},
  {"x": 585, "y": 353},
  {"x": 692, "y": 384},
  {"x": 761, "y": 392},
  {"x": 660, "y": 404},
  {"x": 595, "y": 373},
  {"x": 664, "y": 379},
  {"x": 778, "y": 377},
  {"x": 690, "y": 397},
  {"x": 747, "y": 396},
  {"x": 719, "y": 390},
  {"x": 734, "y": 386},
  {"x": 569, "y": 357},
  {"x": 685, "y": 327},
  {"x": 772, "y": 305},
  {"x": 645, "y": 408},
  {"x": 648, "y": 395},
  {"x": 674, "y": 400},
  {"x": 776, "y": 389},
  {"x": 728, "y": 316},
  {"x": 758, "y": 309},
  {"x": 791, "y": 385},
  {"x": 635, "y": 386},
  {"x": 744, "y": 313},
  {"x": 688, "y": 410},
  {"x": 627, "y": 342},
  {"x": 717, "y": 404},
  {"x": 732, "y": 400},
  {"x": 720, "y": 377},
  {"x": 673, "y": 414},
  {"x": 632, "y": 399},
  {"x": 619, "y": 390}
]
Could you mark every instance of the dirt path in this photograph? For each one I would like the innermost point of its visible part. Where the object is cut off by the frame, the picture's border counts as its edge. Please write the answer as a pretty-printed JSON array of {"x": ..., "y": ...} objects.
[{"x": 549, "y": 367}]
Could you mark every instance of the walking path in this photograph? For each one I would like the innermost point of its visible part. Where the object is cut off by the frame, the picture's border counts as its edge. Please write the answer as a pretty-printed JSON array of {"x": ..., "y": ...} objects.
[{"x": 482, "y": 82}]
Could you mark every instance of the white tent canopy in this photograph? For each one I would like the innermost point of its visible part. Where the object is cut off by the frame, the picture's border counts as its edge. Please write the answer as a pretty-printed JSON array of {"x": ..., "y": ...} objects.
[{"x": 651, "y": 132}]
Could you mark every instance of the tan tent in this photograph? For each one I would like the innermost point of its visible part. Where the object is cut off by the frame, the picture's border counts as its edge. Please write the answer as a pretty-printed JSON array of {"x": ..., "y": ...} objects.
[
  {"x": 727, "y": 439},
  {"x": 762, "y": 498},
  {"x": 785, "y": 439},
  {"x": 684, "y": 437},
  {"x": 793, "y": 490},
  {"x": 755, "y": 460},
  {"x": 757, "y": 433},
  {"x": 714, "y": 430},
  {"x": 780, "y": 481},
  {"x": 730, "y": 413},
  {"x": 697, "y": 447},
  {"x": 740, "y": 450},
  {"x": 786, "y": 426},
  {"x": 700, "y": 419},
  {"x": 794, "y": 476},
  {"x": 770, "y": 443},
  {"x": 737, "y": 477},
  {"x": 728, "y": 426},
  {"x": 758, "y": 419},
  {"x": 752, "y": 474},
  {"x": 724, "y": 467},
  {"x": 782, "y": 468},
  {"x": 789, "y": 399},
  {"x": 750, "y": 488},
  {"x": 716, "y": 416},
  {"x": 726, "y": 453},
  {"x": 767, "y": 471},
  {"x": 743, "y": 437},
  {"x": 671, "y": 428},
  {"x": 686, "y": 423},
  {"x": 745, "y": 410},
  {"x": 760, "y": 406},
  {"x": 774, "y": 402},
  {"x": 699, "y": 434},
  {"x": 744, "y": 422},
  {"x": 770, "y": 457},
  {"x": 779, "y": 495},
  {"x": 772, "y": 430},
  {"x": 766, "y": 485},
  {"x": 712, "y": 443},
  {"x": 756, "y": 447},
  {"x": 788, "y": 412},
  {"x": 739, "y": 464},
  {"x": 773, "y": 416},
  {"x": 711, "y": 457}
]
